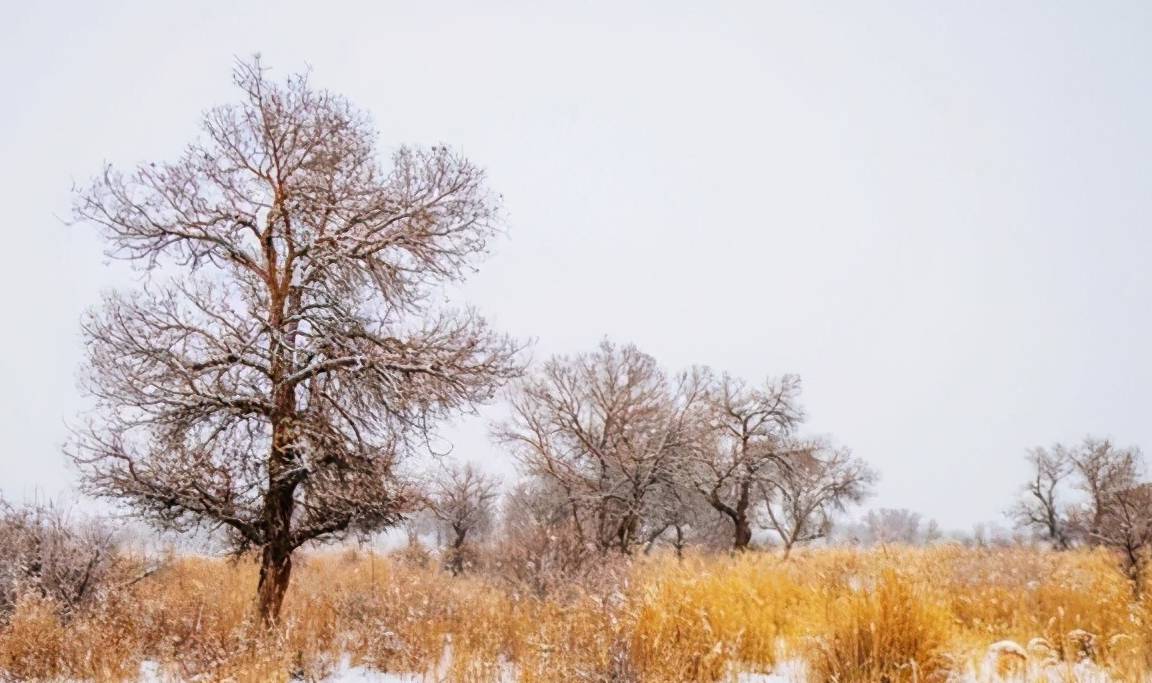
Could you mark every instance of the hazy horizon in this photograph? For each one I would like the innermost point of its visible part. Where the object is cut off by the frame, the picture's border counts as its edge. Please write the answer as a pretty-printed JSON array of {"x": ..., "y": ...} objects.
[{"x": 936, "y": 214}]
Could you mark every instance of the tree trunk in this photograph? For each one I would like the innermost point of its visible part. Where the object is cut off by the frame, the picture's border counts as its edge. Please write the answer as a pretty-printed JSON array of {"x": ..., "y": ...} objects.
[
  {"x": 743, "y": 530},
  {"x": 741, "y": 527},
  {"x": 743, "y": 533},
  {"x": 1134, "y": 568},
  {"x": 456, "y": 553},
  {"x": 275, "y": 570},
  {"x": 626, "y": 532},
  {"x": 279, "y": 501}
]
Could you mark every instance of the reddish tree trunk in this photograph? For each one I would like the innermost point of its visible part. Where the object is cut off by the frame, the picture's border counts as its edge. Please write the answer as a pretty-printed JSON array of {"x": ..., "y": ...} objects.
[{"x": 275, "y": 571}]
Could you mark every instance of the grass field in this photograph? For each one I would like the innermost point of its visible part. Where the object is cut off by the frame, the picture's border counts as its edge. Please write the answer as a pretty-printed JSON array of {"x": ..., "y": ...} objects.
[{"x": 893, "y": 614}]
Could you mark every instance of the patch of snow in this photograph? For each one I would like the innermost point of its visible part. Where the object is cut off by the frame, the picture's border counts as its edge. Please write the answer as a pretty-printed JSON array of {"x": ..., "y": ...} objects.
[
  {"x": 346, "y": 673},
  {"x": 1038, "y": 672},
  {"x": 150, "y": 672},
  {"x": 788, "y": 671}
]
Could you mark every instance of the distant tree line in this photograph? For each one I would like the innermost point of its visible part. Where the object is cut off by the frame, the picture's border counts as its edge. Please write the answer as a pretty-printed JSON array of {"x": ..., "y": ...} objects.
[
  {"x": 635, "y": 456},
  {"x": 618, "y": 457}
]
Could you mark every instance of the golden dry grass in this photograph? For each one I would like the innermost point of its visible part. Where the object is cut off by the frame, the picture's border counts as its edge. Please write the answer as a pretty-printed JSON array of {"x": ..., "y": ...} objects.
[{"x": 853, "y": 616}]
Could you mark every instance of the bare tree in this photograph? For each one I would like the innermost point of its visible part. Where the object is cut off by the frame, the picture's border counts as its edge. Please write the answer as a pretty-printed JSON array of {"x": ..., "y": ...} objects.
[
  {"x": 46, "y": 551},
  {"x": 679, "y": 517},
  {"x": 1040, "y": 508},
  {"x": 1125, "y": 525},
  {"x": 1101, "y": 469},
  {"x": 931, "y": 532},
  {"x": 607, "y": 428},
  {"x": 286, "y": 351},
  {"x": 463, "y": 502},
  {"x": 745, "y": 441},
  {"x": 539, "y": 546},
  {"x": 811, "y": 482},
  {"x": 897, "y": 525},
  {"x": 989, "y": 535},
  {"x": 1117, "y": 512}
]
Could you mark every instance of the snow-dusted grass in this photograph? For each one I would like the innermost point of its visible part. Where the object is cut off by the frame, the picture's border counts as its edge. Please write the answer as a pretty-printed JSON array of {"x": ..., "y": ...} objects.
[
  {"x": 790, "y": 672},
  {"x": 824, "y": 615},
  {"x": 795, "y": 671},
  {"x": 987, "y": 670}
]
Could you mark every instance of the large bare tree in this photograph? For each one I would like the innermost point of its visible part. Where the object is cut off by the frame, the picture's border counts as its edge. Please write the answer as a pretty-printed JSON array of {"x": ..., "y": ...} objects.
[
  {"x": 607, "y": 429},
  {"x": 744, "y": 440},
  {"x": 1100, "y": 469},
  {"x": 286, "y": 350}
]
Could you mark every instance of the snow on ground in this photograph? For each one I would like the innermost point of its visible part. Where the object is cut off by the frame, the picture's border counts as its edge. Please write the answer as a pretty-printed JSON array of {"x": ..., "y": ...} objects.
[
  {"x": 1084, "y": 672},
  {"x": 787, "y": 672},
  {"x": 347, "y": 673},
  {"x": 790, "y": 671}
]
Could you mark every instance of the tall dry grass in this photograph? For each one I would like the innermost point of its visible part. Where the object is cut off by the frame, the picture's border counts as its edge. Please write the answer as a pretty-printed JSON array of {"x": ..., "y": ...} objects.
[{"x": 853, "y": 616}]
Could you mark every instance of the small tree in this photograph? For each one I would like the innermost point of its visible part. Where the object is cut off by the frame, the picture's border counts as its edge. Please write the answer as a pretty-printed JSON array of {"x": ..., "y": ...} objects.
[
  {"x": 898, "y": 525},
  {"x": 1040, "y": 508},
  {"x": 285, "y": 353},
  {"x": 463, "y": 503},
  {"x": 538, "y": 545},
  {"x": 811, "y": 483},
  {"x": 45, "y": 551}
]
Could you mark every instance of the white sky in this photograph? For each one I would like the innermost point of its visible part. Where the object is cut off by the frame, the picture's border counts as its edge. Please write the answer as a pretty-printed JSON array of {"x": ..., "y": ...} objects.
[{"x": 936, "y": 212}]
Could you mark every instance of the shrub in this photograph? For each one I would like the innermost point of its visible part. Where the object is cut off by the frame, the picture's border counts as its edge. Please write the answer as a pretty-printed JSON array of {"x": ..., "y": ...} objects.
[
  {"x": 47, "y": 553},
  {"x": 887, "y": 630}
]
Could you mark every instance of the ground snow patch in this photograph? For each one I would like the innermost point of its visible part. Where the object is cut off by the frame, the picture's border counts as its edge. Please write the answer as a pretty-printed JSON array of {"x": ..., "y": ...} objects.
[
  {"x": 790, "y": 671},
  {"x": 346, "y": 673}
]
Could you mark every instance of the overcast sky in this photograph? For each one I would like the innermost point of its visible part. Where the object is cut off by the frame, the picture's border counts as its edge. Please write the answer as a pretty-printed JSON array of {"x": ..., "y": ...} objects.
[{"x": 937, "y": 213}]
